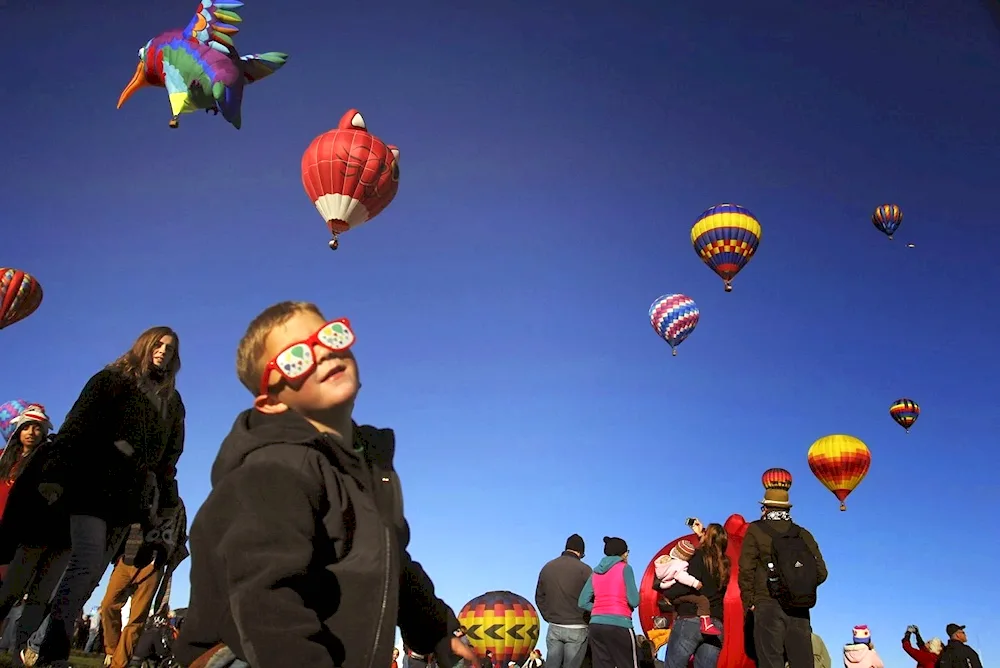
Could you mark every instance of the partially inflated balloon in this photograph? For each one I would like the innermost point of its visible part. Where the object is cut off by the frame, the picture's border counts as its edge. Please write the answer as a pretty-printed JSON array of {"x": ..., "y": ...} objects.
[
  {"x": 840, "y": 462},
  {"x": 776, "y": 479},
  {"x": 725, "y": 238},
  {"x": 350, "y": 174},
  {"x": 905, "y": 412},
  {"x": 674, "y": 317},
  {"x": 503, "y": 622},
  {"x": 887, "y": 219},
  {"x": 20, "y": 295}
]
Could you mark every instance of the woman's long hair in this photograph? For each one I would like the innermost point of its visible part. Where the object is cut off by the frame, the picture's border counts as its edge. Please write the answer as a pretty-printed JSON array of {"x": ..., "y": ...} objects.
[
  {"x": 138, "y": 361},
  {"x": 713, "y": 550}
]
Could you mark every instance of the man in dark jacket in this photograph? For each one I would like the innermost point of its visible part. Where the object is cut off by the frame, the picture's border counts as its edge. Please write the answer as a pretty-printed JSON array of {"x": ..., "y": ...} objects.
[
  {"x": 299, "y": 553},
  {"x": 556, "y": 596},
  {"x": 956, "y": 654},
  {"x": 778, "y": 632}
]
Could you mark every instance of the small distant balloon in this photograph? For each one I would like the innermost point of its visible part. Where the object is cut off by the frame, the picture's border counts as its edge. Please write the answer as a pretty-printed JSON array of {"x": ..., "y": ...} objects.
[
  {"x": 20, "y": 296},
  {"x": 674, "y": 317},
  {"x": 887, "y": 218},
  {"x": 905, "y": 412},
  {"x": 776, "y": 479}
]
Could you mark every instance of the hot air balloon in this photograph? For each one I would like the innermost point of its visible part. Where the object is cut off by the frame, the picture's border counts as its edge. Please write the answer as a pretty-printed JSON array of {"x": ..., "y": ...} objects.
[
  {"x": 733, "y": 653},
  {"x": 905, "y": 412},
  {"x": 20, "y": 295},
  {"x": 350, "y": 174},
  {"x": 725, "y": 238},
  {"x": 840, "y": 462},
  {"x": 503, "y": 622},
  {"x": 887, "y": 219},
  {"x": 776, "y": 479},
  {"x": 674, "y": 317}
]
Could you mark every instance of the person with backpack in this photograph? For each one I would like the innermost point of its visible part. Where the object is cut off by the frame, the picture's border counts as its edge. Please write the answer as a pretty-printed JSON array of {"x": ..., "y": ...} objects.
[{"x": 780, "y": 570}]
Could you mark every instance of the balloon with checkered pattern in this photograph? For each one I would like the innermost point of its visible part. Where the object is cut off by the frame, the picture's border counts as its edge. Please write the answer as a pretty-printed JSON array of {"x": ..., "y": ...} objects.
[{"x": 503, "y": 622}]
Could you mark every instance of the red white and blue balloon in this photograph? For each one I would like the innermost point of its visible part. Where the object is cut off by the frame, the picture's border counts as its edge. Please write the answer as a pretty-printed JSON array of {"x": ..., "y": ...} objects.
[{"x": 674, "y": 317}]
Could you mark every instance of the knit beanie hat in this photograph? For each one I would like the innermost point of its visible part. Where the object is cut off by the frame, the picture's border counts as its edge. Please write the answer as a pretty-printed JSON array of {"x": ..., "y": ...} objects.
[
  {"x": 615, "y": 547},
  {"x": 862, "y": 635},
  {"x": 9, "y": 411},
  {"x": 684, "y": 550},
  {"x": 33, "y": 413},
  {"x": 575, "y": 543}
]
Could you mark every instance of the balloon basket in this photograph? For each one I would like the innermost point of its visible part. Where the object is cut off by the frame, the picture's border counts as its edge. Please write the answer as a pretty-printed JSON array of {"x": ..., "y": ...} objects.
[
  {"x": 843, "y": 507},
  {"x": 674, "y": 352},
  {"x": 174, "y": 123},
  {"x": 729, "y": 286},
  {"x": 334, "y": 243}
]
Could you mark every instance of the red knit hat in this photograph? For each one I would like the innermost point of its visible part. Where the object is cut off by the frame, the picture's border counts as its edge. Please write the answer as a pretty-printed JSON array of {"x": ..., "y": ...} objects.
[{"x": 684, "y": 549}]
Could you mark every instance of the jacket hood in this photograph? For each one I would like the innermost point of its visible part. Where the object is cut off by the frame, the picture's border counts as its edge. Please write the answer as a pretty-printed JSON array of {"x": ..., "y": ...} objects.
[
  {"x": 605, "y": 564},
  {"x": 254, "y": 430},
  {"x": 858, "y": 654}
]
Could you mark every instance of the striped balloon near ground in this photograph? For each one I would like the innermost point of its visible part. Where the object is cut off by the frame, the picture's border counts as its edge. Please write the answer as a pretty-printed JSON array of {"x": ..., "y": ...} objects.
[
  {"x": 840, "y": 462},
  {"x": 674, "y": 317},
  {"x": 503, "y": 622},
  {"x": 905, "y": 412},
  {"x": 20, "y": 295}
]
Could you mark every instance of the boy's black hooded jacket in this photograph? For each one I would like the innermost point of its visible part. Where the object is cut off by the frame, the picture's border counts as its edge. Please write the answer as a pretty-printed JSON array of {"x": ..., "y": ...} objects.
[{"x": 298, "y": 555}]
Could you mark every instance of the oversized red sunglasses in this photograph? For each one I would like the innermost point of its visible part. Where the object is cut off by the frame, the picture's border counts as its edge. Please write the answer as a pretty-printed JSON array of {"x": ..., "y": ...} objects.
[{"x": 298, "y": 360}]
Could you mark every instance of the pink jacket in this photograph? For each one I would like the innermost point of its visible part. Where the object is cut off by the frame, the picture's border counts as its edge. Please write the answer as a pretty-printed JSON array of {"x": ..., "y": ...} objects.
[
  {"x": 670, "y": 571},
  {"x": 610, "y": 596},
  {"x": 861, "y": 656}
]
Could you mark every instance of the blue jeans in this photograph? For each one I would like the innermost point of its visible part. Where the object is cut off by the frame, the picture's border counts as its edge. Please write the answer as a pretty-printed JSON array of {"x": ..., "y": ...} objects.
[
  {"x": 88, "y": 559},
  {"x": 565, "y": 648},
  {"x": 686, "y": 640}
]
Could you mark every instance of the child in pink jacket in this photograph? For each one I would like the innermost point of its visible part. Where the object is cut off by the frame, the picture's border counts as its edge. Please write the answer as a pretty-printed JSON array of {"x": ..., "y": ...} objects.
[
  {"x": 673, "y": 568},
  {"x": 861, "y": 653}
]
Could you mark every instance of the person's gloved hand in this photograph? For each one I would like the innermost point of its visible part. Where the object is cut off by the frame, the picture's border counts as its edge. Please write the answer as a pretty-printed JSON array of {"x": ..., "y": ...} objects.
[{"x": 50, "y": 491}]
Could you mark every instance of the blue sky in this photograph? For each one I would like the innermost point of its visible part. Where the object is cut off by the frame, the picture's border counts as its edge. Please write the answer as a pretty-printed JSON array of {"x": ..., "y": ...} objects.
[{"x": 554, "y": 157}]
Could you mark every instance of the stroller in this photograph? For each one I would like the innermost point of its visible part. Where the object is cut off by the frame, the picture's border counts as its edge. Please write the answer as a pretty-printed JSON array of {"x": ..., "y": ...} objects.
[{"x": 155, "y": 646}]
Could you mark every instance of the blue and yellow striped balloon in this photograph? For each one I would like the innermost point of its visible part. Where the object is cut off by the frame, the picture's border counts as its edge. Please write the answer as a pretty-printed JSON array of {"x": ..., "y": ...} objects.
[
  {"x": 725, "y": 238},
  {"x": 887, "y": 219}
]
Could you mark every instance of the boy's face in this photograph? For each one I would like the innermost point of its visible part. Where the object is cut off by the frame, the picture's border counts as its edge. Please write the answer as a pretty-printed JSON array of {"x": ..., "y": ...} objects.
[{"x": 332, "y": 385}]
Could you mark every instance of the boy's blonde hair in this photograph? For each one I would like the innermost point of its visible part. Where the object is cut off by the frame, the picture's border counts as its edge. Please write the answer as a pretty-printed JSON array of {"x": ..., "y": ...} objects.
[{"x": 250, "y": 352}]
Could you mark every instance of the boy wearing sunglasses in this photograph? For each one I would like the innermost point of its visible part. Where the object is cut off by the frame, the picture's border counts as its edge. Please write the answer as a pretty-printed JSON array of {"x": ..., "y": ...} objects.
[{"x": 299, "y": 552}]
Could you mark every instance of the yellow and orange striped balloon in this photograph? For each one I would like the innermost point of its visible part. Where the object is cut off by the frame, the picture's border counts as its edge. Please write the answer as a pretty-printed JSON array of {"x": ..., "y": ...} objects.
[{"x": 840, "y": 462}]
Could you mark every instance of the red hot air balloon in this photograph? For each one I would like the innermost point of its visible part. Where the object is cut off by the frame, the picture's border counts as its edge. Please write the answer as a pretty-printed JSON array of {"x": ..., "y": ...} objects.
[
  {"x": 733, "y": 654},
  {"x": 350, "y": 174},
  {"x": 20, "y": 295},
  {"x": 776, "y": 479}
]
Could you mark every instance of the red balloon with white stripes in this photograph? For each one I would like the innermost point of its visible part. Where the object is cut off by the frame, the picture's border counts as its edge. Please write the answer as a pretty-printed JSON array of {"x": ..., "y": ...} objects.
[{"x": 350, "y": 175}]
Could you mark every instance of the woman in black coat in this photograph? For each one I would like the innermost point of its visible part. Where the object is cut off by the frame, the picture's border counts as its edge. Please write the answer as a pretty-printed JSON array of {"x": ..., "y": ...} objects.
[{"x": 112, "y": 464}]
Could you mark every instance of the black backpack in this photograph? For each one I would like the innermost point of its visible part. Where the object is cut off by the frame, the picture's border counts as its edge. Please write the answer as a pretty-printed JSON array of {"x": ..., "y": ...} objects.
[{"x": 792, "y": 576}]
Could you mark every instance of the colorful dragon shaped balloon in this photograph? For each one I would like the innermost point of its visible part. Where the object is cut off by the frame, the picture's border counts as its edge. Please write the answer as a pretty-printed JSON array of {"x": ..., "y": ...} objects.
[
  {"x": 349, "y": 174},
  {"x": 199, "y": 65}
]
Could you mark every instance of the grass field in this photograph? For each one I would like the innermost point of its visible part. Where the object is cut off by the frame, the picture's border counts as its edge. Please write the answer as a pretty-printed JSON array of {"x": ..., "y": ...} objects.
[{"x": 77, "y": 660}]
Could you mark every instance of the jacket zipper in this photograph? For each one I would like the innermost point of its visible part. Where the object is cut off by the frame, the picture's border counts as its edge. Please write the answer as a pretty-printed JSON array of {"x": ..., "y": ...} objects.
[{"x": 385, "y": 597}]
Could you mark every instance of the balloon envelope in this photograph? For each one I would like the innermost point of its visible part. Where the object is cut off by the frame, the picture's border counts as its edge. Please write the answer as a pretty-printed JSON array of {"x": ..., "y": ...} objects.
[
  {"x": 905, "y": 412},
  {"x": 725, "y": 237},
  {"x": 887, "y": 218},
  {"x": 733, "y": 653},
  {"x": 350, "y": 174},
  {"x": 776, "y": 479},
  {"x": 840, "y": 462},
  {"x": 20, "y": 296},
  {"x": 503, "y": 622},
  {"x": 673, "y": 318}
]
